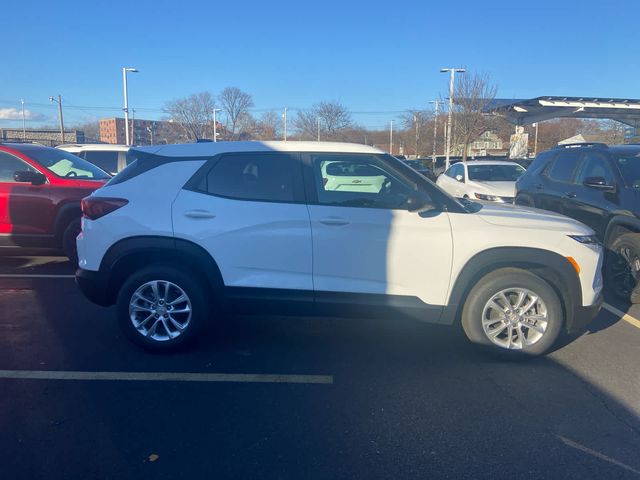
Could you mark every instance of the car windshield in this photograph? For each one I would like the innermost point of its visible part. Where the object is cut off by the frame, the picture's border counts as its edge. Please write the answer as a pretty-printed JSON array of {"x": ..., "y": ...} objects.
[
  {"x": 630, "y": 169},
  {"x": 65, "y": 164},
  {"x": 495, "y": 173}
]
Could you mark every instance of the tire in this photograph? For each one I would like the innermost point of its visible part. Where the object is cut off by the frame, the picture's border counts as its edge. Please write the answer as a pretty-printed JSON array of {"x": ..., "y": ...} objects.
[
  {"x": 622, "y": 267},
  {"x": 523, "y": 203},
  {"x": 156, "y": 328},
  {"x": 69, "y": 240},
  {"x": 480, "y": 317}
]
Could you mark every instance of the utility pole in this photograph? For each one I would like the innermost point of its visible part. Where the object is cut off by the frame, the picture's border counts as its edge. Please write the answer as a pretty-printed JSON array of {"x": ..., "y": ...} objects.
[
  {"x": 133, "y": 122},
  {"x": 391, "y": 137},
  {"x": 284, "y": 122},
  {"x": 318, "y": 128},
  {"x": 215, "y": 124},
  {"x": 452, "y": 71},
  {"x": 59, "y": 102},
  {"x": 126, "y": 103},
  {"x": 415, "y": 120},
  {"x": 24, "y": 127},
  {"x": 535, "y": 142}
]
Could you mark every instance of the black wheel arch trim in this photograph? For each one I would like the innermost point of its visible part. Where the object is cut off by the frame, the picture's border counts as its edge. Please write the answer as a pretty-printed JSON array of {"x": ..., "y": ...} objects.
[
  {"x": 626, "y": 221},
  {"x": 177, "y": 251},
  {"x": 550, "y": 266},
  {"x": 65, "y": 215}
]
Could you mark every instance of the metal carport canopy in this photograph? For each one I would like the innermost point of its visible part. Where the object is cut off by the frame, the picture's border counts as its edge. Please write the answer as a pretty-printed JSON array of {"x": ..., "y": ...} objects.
[{"x": 526, "y": 112}]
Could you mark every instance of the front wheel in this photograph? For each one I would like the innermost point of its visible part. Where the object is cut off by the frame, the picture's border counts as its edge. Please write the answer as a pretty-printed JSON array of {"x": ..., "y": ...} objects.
[
  {"x": 513, "y": 311},
  {"x": 162, "y": 308},
  {"x": 622, "y": 267}
]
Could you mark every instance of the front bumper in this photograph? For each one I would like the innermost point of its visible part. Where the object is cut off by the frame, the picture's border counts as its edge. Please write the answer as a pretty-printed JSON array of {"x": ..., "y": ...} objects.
[
  {"x": 94, "y": 285},
  {"x": 582, "y": 316}
]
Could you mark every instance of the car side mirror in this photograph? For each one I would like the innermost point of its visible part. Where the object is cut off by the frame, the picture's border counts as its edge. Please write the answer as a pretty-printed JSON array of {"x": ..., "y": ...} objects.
[
  {"x": 29, "y": 176},
  {"x": 598, "y": 183},
  {"x": 418, "y": 204},
  {"x": 460, "y": 178}
]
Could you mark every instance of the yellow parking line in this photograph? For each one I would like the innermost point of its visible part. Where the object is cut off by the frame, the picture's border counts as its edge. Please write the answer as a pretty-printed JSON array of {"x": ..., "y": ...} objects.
[
  {"x": 165, "y": 376},
  {"x": 594, "y": 453},
  {"x": 624, "y": 316}
]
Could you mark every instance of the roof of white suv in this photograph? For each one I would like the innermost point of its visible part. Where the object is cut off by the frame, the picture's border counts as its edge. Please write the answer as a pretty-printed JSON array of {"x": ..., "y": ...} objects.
[
  {"x": 490, "y": 162},
  {"x": 100, "y": 147},
  {"x": 214, "y": 148}
]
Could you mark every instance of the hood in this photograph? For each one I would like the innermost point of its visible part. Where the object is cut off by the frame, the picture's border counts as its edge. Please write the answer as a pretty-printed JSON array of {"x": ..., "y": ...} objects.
[
  {"x": 501, "y": 189},
  {"x": 507, "y": 215}
]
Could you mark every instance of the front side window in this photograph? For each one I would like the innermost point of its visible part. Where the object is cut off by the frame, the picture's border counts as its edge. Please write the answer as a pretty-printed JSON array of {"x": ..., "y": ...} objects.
[
  {"x": 594, "y": 164},
  {"x": 359, "y": 181},
  {"x": 9, "y": 165},
  {"x": 256, "y": 176},
  {"x": 495, "y": 173},
  {"x": 64, "y": 164},
  {"x": 564, "y": 166}
]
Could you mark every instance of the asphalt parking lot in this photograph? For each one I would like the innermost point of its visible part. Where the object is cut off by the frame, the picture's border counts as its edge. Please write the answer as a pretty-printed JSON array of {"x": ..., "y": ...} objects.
[{"x": 267, "y": 397}]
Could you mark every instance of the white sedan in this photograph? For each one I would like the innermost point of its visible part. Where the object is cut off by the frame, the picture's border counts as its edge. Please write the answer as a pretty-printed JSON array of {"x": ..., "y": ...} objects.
[{"x": 493, "y": 181}]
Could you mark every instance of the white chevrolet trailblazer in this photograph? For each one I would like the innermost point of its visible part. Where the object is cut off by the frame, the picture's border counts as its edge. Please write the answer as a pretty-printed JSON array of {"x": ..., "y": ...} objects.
[{"x": 188, "y": 231}]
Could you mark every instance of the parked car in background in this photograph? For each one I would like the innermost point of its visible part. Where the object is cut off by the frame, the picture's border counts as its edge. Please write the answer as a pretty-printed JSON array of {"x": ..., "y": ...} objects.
[
  {"x": 110, "y": 158},
  {"x": 186, "y": 229},
  {"x": 492, "y": 181},
  {"x": 599, "y": 186},
  {"x": 421, "y": 167},
  {"x": 40, "y": 192}
]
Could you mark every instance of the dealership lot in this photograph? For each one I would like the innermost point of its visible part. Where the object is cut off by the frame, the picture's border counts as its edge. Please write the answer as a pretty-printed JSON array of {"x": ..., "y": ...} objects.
[{"x": 301, "y": 398}]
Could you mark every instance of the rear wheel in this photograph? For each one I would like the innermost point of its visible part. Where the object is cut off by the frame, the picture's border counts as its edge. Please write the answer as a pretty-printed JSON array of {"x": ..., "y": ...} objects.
[
  {"x": 622, "y": 268},
  {"x": 69, "y": 239},
  {"x": 162, "y": 308},
  {"x": 513, "y": 311}
]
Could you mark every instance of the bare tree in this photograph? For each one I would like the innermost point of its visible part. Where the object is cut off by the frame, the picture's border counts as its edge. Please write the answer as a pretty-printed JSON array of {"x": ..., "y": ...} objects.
[
  {"x": 473, "y": 94},
  {"x": 193, "y": 113},
  {"x": 418, "y": 131},
  {"x": 236, "y": 104},
  {"x": 269, "y": 126},
  {"x": 333, "y": 119}
]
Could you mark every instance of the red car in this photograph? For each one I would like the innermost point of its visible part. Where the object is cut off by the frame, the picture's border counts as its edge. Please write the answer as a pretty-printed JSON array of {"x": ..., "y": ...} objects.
[{"x": 40, "y": 193}]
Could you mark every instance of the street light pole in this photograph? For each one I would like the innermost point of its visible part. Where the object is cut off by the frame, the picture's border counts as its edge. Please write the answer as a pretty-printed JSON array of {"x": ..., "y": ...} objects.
[
  {"x": 318, "y": 128},
  {"x": 391, "y": 137},
  {"x": 535, "y": 143},
  {"x": 24, "y": 127},
  {"x": 126, "y": 103},
  {"x": 215, "y": 125},
  {"x": 435, "y": 131},
  {"x": 452, "y": 71}
]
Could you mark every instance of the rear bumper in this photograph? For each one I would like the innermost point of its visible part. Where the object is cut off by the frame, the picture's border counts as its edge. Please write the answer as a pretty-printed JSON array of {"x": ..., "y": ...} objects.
[
  {"x": 94, "y": 286},
  {"x": 582, "y": 316}
]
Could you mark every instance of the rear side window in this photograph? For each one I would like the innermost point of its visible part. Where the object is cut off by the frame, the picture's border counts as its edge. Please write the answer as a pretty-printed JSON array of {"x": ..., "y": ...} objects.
[
  {"x": 107, "y": 161},
  {"x": 594, "y": 164},
  {"x": 564, "y": 166},
  {"x": 254, "y": 176}
]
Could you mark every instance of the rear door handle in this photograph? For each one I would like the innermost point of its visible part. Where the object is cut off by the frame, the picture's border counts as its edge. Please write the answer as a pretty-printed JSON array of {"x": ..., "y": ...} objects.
[
  {"x": 570, "y": 195},
  {"x": 539, "y": 186},
  {"x": 334, "y": 221},
  {"x": 199, "y": 214}
]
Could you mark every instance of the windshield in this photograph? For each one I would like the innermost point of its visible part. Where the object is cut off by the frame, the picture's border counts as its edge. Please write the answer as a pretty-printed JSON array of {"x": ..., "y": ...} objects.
[
  {"x": 630, "y": 170},
  {"x": 65, "y": 164},
  {"x": 495, "y": 173}
]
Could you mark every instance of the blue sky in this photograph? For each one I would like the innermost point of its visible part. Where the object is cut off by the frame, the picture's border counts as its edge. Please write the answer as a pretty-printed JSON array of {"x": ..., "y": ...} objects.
[{"x": 371, "y": 56}]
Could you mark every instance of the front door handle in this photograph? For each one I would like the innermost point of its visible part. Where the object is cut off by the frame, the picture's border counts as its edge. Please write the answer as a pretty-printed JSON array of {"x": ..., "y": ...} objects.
[
  {"x": 570, "y": 195},
  {"x": 539, "y": 186},
  {"x": 199, "y": 214},
  {"x": 334, "y": 221}
]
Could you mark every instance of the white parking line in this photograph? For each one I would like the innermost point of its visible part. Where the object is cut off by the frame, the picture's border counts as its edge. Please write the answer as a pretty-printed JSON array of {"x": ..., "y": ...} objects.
[
  {"x": 33, "y": 275},
  {"x": 165, "y": 376},
  {"x": 624, "y": 316},
  {"x": 601, "y": 456}
]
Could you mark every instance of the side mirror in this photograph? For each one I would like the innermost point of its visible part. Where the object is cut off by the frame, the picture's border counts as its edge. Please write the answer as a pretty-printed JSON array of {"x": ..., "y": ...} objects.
[
  {"x": 416, "y": 204},
  {"x": 598, "y": 183},
  {"x": 29, "y": 176},
  {"x": 460, "y": 178}
]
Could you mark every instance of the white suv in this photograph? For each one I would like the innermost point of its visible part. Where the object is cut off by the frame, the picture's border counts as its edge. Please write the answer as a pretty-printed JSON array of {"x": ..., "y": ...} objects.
[{"x": 186, "y": 229}]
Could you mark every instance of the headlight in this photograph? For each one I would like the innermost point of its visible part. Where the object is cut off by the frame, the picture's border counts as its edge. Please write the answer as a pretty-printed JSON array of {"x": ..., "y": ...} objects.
[
  {"x": 489, "y": 198},
  {"x": 586, "y": 239}
]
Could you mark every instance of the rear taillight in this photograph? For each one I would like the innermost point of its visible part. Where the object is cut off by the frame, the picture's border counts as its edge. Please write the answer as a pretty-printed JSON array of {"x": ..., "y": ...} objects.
[{"x": 96, "y": 207}]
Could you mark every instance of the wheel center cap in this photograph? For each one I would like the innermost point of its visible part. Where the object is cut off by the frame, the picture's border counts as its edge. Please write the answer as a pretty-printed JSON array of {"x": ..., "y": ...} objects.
[
  {"x": 161, "y": 310},
  {"x": 513, "y": 318}
]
